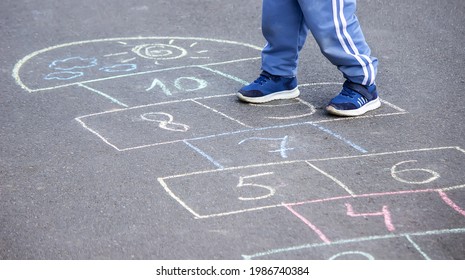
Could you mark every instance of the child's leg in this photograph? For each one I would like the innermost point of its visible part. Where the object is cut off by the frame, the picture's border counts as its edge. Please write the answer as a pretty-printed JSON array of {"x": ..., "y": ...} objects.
[
  {"x": 284, "y": 29},
  {"x": 337, "y": 31}
]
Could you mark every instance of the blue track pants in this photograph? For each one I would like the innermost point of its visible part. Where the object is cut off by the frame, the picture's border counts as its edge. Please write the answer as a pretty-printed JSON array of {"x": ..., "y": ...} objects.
[{"x": 333, "y": 24}]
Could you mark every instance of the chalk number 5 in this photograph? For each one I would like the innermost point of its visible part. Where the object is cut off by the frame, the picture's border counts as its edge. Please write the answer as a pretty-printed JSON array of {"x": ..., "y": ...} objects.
[{"x": 270, "y": 191}]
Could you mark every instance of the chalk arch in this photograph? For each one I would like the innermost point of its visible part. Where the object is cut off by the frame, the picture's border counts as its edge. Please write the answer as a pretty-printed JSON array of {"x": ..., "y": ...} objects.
[{"x": 141, "y": 55}]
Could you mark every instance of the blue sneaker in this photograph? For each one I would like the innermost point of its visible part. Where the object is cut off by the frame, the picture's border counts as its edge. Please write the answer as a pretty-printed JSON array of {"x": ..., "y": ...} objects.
[
  {"x": 269, "y": 87},
  {"x": 354, "y": 100}
]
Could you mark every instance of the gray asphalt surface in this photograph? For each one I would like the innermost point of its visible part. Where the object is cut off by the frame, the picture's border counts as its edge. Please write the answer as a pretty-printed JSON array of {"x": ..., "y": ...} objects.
[{"x": 122, "y": 138}]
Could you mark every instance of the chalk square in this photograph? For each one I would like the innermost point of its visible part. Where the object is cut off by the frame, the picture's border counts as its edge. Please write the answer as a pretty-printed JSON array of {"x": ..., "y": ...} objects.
[
  {"x": 380, "y": 215},
  {"x": 399, "y": 171},
  {"x": 156, "y": 124},
  {"x": 180, "y": 83},
  {"x": 237, "y": 190},
  {"x": 267, "y": 145},
  {"x": 308, "y": 107}
]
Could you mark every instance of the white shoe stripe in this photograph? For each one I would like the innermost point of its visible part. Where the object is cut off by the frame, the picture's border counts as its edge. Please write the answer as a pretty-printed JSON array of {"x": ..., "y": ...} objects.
[{"x": 356, "y": 53}]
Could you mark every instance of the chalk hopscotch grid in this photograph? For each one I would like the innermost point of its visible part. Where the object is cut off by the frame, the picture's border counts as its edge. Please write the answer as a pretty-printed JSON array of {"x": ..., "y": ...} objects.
[
  {"x": 439, "y": 190},
  {"x": 399, "y": 110},
  {"x": 207, "y": 67},
  {"x": 195, "y": 100},
  {"x": 198, "y": 99}
]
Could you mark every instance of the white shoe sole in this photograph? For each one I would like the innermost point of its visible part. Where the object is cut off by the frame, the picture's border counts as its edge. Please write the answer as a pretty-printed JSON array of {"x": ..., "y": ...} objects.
[
  {"x": 372, "y": 105},
  {"x": 285, "y": 94}
]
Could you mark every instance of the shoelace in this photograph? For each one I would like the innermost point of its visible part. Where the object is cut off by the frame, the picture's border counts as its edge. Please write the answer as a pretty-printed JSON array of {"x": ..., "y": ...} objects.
[
  {"x": 262, "y": 79},
  {"x": 348, "y": 93}
]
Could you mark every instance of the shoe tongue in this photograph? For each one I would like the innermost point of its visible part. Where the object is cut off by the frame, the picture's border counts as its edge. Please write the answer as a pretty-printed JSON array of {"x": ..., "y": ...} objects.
[{"x": 266, "y": 74}]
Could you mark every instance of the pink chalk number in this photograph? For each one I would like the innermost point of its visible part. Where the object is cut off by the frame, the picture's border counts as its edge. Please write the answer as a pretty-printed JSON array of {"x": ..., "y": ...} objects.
[{"x": 384, "y": 212}]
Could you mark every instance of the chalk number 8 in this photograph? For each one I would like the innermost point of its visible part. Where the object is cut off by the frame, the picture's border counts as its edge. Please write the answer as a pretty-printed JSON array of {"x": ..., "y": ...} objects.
[{"x": 395, "y": 173}]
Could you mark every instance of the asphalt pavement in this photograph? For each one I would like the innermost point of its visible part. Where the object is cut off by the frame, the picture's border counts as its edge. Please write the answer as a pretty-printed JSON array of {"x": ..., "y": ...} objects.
[{"x": 122, "y": 137}]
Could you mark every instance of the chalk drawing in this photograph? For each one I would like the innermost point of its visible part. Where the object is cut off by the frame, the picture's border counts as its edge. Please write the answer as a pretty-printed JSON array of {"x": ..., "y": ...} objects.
[
  {"x": 283, "y": 144},
  {"x": 451, "y": 203},
  {"x": 417, "y": 247},
  {"x": 72, "y": 63},
  {"x": 337, "y": 136},
  {"x": 165, "y": 122},
  {"x": 224, "y": 74},
  {"x": 197, "y": 101},
  {"x": 363, "y": 254},
  {"x": 384, "y": 212},
  {"x": 156, "y": 49},
  {"x": 351, "y": 241},
  {"x": 220, "y": 113},
  {"x": 159, "y": 51},
  {"x": 205, "y": 155},
  {"x": 179, "y": 83},
  {"x": 63, "y": 75},
  {"x": 119, "y": 68},
  {"x": 334, "y": 179},
  {"x": 115, "y": 54},
  {"x": 270, "y": 191},
  {"x": 395, "y": 172},
  {"x": 311, "y": 109},
  {"x": 112, "y": 99},
  {"x": 200, "y": 84},
  {"x": 159, "y": 84},
  {"x": 320, "y": 234}
]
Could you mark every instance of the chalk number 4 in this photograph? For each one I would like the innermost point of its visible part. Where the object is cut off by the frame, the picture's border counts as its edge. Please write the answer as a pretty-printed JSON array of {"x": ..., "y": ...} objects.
[{"x": 242, "y": 184}]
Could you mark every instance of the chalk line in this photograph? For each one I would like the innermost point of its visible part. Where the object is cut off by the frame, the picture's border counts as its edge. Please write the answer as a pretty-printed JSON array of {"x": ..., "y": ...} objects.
[
  {"x": 339, "y": 183},
  {"x": 320, "y": 234},
  {"x": 453, "y": 188},
  {"x": 415, "y": 245},
  {"x": 96, "y": 133},
  {"x": 337, "y": 136},
  {"x": 205, "y": 155},
  {"x": 347, "y": 241},
  {"x": 162, "y": 182},
  {"x": 115, "y": 54},
  {"x": 218, "y": 112},
  {"x": 451, "y": 203},
  {"x": 312, "y": 111},
  {"x": 224, "y": 75},
  {"x": 153, "y": 104},
  {"x": 112, "y": 99},
  {"x": 366, "y": 255},
  {"x": 392, "y": 105}
]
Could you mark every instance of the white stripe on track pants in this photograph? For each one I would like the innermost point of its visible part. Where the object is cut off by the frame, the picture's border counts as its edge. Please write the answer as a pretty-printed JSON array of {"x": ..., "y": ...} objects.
[{"x": 335, "y": 27}]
